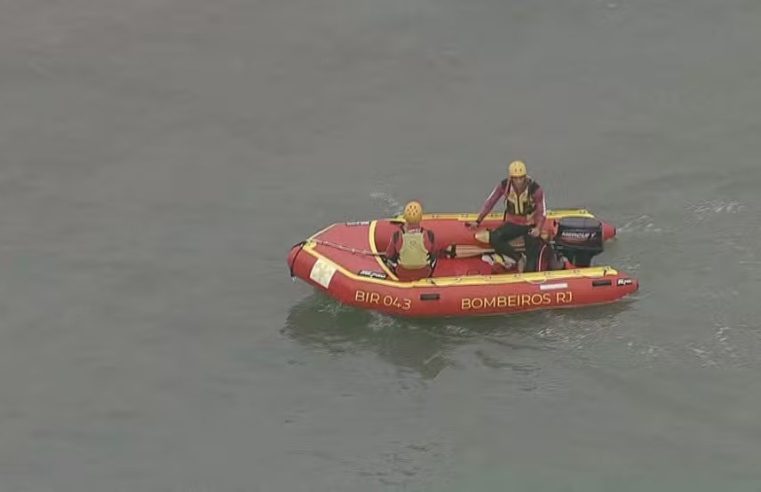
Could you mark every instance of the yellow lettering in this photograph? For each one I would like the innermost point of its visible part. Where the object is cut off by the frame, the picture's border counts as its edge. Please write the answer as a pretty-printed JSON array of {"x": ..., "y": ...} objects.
[
  {"x": 564, "y": 297},
  {"x": 387, "y": 300},
  {"x": 513, "y": 300}
]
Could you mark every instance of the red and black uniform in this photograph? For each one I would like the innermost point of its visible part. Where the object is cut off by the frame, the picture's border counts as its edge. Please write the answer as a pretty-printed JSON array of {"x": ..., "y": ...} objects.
[{"x": 524, "y": 210}]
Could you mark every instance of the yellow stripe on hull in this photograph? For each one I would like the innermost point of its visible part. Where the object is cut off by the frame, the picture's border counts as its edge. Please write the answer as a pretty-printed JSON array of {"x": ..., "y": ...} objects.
[
  {"x": 470, "y": 217},
  {"x": 471, "y": 280}
]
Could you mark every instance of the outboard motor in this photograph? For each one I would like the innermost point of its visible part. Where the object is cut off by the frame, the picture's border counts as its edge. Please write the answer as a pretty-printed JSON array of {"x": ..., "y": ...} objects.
[{"x": 579, "y": 239}]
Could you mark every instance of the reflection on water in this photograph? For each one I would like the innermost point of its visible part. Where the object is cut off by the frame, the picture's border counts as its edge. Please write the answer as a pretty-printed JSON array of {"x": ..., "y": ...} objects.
[
  {"x": 321, "y": 322},
  {"x": 427, "y": 346}
]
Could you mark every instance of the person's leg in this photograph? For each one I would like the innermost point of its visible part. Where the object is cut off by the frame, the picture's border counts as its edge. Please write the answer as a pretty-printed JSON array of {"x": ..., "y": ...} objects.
[
  {"x": 500, "y": 239},
  {"x": 533, "y": 247},
  {"x": 557, "y": 262}
]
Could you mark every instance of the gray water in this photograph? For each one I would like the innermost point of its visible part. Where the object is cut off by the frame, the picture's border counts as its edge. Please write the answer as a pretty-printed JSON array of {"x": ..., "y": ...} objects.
[{"x": 159, "y": 157}]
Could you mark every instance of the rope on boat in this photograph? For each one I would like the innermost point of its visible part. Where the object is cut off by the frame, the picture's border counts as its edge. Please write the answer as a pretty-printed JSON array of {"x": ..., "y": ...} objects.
[
  {"x": 322, "y": 242},
  {"x": 299, "y": 245},
  {"x": 367, "y": 252},
  {"x": 349, "y": 249}
]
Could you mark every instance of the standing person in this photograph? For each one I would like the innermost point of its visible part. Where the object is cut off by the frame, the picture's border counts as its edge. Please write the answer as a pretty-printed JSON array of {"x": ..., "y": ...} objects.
[
  {"x": 411, "y": 251},
  {"x": 524, "y": 215}
]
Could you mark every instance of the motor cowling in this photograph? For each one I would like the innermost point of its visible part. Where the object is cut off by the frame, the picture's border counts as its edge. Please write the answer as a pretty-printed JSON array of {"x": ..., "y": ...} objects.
[{"x": 579, "y": 239}]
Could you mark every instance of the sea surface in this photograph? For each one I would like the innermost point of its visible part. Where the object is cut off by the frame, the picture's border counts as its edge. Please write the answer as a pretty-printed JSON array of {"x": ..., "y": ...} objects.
[{"x": 158, "y": 158}]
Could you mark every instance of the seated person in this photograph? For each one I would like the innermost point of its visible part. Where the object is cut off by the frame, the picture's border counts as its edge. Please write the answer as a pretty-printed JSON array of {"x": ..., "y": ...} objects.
[
  {"x": 524, "y": 215},
  {"x": 547, "y": 258},
  {"x": 411, "y": 251}
]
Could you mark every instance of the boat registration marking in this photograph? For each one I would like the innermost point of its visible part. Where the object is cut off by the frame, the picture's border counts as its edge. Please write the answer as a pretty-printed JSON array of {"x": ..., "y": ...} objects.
[
  {"x": 322, "y": 272},
  {"x": 553, "y": 286}
]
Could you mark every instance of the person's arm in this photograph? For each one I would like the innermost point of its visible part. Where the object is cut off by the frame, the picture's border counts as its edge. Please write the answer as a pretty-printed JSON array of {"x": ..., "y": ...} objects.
[
  {"x": 392, "y": 248},
  {"x": 497, "y": 193},
  {"x": 430, "y": 243}
]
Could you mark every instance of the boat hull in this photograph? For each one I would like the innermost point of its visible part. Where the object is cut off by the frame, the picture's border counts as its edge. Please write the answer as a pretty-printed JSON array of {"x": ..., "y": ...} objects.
[{"x": 343, "y": 261}]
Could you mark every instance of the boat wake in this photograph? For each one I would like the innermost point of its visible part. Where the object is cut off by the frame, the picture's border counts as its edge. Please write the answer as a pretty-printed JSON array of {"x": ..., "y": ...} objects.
[
  {"x": 641, "y": 225},
  {"x": 708, "y": 209},
  {"x": 389, "y": 205}
]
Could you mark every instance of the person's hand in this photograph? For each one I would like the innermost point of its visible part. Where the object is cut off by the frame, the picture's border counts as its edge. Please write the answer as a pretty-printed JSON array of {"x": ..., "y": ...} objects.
[
  {"x": 534, "y": 232},
  {"x": 472, "y": 225}
]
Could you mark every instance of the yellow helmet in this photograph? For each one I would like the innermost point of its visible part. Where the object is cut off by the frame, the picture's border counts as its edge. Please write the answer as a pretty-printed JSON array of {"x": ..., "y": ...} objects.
[
  {"x": 413, "y": 212},
  {"x": 516, "y": 169}
]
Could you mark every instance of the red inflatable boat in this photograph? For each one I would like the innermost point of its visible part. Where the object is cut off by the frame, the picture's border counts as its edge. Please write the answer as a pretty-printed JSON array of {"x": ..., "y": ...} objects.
[{"x": 346, "y": 261}]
